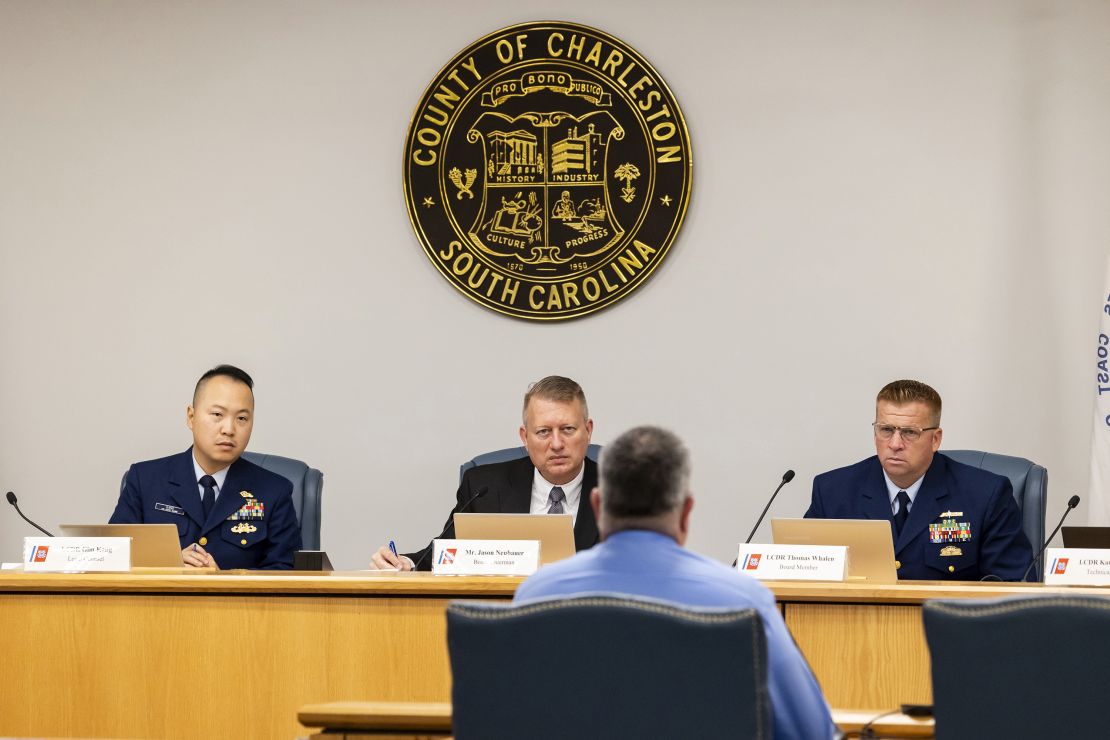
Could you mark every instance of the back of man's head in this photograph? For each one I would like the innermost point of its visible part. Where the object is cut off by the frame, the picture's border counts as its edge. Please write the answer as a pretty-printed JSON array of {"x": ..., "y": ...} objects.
[{"x": 644, "y": 473}]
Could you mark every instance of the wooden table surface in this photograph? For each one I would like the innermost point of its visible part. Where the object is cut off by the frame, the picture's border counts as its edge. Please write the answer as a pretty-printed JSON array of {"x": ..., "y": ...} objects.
[
  {"x": 168, "y": 654},
  {"x": 171, "y": 653},
  {"x": 428, "y": 720}
]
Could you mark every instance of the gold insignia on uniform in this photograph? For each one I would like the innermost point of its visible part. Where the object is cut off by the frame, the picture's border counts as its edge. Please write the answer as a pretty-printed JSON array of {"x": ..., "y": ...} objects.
[
  {"x": 244, "y": 528},
  {"x": 950, "y": 515},
  {"x": 950, "y": 551},
  {"x": 246, "y": 494},
  {"x": 569, "y": 161}
]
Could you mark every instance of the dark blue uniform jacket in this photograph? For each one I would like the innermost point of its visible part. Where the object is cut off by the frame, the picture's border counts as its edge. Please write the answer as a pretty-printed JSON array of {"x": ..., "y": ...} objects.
[
  {"x": 964, "y": 523},
  {"x": 253, "y": 524}
]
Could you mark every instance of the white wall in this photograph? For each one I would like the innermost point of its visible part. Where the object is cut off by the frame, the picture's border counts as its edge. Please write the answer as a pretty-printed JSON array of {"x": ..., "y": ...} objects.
[{"x": 882, "y": 189}]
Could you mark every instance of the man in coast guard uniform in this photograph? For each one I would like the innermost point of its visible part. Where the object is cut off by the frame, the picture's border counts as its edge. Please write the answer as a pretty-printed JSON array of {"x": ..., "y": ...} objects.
[
  {"x": 229, "y": 512},
  {"x": 949, "y": 521}
]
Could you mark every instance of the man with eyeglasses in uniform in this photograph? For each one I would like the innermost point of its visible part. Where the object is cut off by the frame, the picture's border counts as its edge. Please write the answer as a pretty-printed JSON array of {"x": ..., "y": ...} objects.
[{"x": 949, "y": 521}]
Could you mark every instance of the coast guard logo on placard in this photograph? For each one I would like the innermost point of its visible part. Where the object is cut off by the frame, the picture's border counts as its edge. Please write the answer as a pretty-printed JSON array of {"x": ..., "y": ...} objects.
[
  {"x": 1059, "y": 565},
  {"x": 547, "y": 170},
  {"x": 447, "y": 556},
  {"x": 38, "y": 553},
  {"x": 751, "y": 562}
]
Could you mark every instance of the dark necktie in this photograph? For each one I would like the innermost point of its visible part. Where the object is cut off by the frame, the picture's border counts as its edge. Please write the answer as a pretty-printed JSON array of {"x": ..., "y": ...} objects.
[
  {"x": 903, "y": 511},
  {"x": 209, "y": 498},
  {"x": 555, "y": 498}
]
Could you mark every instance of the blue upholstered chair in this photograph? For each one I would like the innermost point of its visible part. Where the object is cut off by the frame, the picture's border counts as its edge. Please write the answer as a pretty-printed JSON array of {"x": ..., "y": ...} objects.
[
  {"x": 308, "y": 487},
  {"x": 606, "y": 667},
  {"x": 1030, "y": 482},
  {"x": 512, "y": 453},
  {"x": 1028, "y": 667}
]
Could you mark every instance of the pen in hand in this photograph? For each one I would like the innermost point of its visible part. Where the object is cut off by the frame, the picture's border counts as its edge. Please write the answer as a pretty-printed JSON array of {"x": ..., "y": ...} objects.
[{"x": 393, "y": 549}]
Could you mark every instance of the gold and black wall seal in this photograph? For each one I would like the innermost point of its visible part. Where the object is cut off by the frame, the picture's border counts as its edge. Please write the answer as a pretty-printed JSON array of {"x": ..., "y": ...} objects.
[{"x": 547, "y": 170}]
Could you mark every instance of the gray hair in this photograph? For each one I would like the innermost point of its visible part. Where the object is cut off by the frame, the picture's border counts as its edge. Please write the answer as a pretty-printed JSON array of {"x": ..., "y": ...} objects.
[{"x": 644, "y": 472}]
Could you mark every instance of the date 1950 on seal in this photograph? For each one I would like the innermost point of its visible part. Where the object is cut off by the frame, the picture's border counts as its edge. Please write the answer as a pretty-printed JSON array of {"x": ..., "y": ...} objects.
[{"x": 547, "y": 170}]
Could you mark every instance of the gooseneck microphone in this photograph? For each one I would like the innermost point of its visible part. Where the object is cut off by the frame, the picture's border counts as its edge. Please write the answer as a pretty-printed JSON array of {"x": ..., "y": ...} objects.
[
  {"x": 786, "y": 478},
  {"x": 13, "y": 502},
  {"x": 1072, "y": 503},
  {"x": 450, "y": 521}
]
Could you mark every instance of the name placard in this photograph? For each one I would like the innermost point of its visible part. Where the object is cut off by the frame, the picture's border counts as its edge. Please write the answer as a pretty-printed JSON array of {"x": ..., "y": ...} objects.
[
  {"x": 793, "y": 562},
  {"x": 485, "y": 557},
  {"x": 1076, "y": 567},
  {"x": 74, "y": 554}
]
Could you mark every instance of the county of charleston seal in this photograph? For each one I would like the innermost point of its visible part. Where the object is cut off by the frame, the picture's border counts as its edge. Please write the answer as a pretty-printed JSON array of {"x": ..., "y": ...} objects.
[{"x": 547, "y": 170}]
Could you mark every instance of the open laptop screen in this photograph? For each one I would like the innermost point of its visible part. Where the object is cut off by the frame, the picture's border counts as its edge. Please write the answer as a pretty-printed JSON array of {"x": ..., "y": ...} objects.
[
  {"x": 152, "y": 545},
  {"x": 1095, "y": 538},
  {"x": 869, "y": 541},
  {"x": 554, "y": 531}
]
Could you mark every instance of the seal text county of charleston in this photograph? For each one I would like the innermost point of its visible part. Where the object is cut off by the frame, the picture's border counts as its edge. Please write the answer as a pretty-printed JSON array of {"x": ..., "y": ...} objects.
[{"x": 547, "y": 170}]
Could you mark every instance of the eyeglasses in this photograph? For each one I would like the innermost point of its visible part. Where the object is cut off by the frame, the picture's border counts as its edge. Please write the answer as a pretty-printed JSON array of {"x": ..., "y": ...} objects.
[{"x": 908, "y": 434}]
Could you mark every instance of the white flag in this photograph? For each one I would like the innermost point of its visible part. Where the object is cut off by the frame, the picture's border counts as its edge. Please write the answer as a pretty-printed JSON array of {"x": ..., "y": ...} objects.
[{"x": 1098, "y": 495}]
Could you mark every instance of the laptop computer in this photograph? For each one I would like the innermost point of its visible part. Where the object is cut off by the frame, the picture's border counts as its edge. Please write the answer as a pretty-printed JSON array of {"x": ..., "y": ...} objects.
[
  {"x": 1096, "y": 538},
  {"x": 869, "y": 541},
  {"x": 152, "y": 545},
  {"x": 554, "y": 531}
]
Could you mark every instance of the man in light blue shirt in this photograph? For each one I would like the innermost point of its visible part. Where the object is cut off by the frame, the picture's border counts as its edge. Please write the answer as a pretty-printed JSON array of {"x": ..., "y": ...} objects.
[{"x": 643, "y": 505}]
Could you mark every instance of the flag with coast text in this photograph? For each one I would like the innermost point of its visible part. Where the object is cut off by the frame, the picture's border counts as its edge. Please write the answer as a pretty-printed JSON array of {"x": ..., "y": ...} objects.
[{"x": 1098, "y": 494}]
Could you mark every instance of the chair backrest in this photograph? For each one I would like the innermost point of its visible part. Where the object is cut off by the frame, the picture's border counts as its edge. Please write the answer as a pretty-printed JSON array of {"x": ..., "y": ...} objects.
[
  {"x": 308, "y": 486},
  {"x": 1030, "y": 482},
  {"x": 512, "y": 453},
  {"x": 604, "y": 667},
  {"x": 1019, "y": 667}
]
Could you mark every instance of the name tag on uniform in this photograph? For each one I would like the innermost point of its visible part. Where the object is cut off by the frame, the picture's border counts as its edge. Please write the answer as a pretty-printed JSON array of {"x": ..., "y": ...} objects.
[
  {"x": 1076, "y": 567},
  {"x": 170, "y": 509},
  {"x": 793, "y": 562},
  {"x": 485, "y": 557}
]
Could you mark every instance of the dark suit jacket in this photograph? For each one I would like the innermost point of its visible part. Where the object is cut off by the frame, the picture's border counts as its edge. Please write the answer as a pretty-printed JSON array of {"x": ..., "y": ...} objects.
[
  {"x": 164, "y": 491},
  {"x": 509, "y": 491},
  {"x": 985, "y": 501}
]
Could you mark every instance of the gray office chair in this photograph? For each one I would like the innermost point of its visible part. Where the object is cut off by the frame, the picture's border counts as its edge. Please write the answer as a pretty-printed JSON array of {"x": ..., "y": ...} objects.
[
  {"x": 1019, "y": 667},
  {"x": 512, "y": 453},
  {"x": 308, "y": 487},
  {"x": 1030, "y": 482},
  {"x": 606, "y": 667}
]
